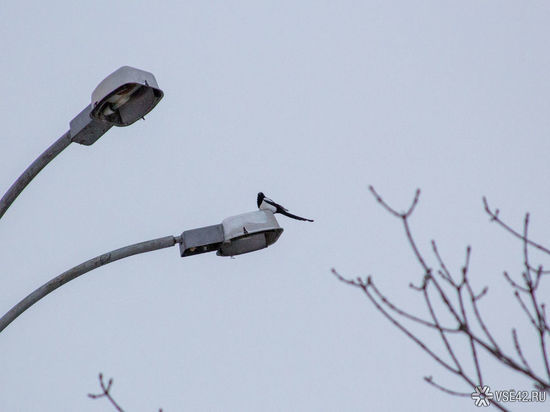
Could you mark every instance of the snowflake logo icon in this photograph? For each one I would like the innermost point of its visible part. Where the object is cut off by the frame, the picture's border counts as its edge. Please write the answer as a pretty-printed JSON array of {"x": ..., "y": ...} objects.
[{"x": 482, "y": 396}]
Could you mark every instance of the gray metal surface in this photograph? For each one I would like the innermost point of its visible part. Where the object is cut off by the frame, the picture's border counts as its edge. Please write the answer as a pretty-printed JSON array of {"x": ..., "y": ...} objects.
[
  {"x": 85, "y": 130},
  {"x": 244, "y": 244},
  {"x": 125, "y": 96},
  {"x": 249, "y": 232},
  {"x": 22, "y": 181},
  {"x": 249, "y": 243},
  {"x": 81, "y": 269},
  {"x": 236, "y": 235},
  {"x": 249, "y": 223},
  {"x": 201, "y": 240}
]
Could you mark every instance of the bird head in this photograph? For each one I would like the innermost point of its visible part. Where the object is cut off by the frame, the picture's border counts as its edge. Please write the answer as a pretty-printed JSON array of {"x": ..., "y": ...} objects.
[{"x": 261, "y": 197}]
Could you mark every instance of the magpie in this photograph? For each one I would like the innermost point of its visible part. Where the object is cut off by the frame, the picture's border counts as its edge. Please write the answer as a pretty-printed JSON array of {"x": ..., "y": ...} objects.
[{"x": 265, "y": 203}]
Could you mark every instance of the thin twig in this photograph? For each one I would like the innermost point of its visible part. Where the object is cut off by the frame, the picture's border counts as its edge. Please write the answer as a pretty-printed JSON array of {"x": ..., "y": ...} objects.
[
  {"x": 106, "y": 392},
  {"x": 473, "y": 300},
  {"x": 459, "y": 311},
  {"x": 396, "y": 323},
  {"x": 495, "y": 218},
  {"x": 448, "y": 303},
  {"x": 392, "y": 210},
  {"x": 518, "y": 349},
  {"x": 532, "y": 287},
  {"x": 466, "y": 266},
  {"x": 430, "y": 380},
  {"x": 362, "y": 284},
  {"x": 514, "y": 284},
  {"x": 524, "y": 307},
  {"x": 407, "y": 315},
  {"x": 541, "y": 328},
  {"x": 470, "y": 338},
  {"x": 528, "y": 278},
  {"x": 481, "y": 294},
  {"x": 538, "y": 276},
  {"x": 445, "y": 274},
  {"x": 412, "y": 242},
  {"x": 441, "y": 333}
]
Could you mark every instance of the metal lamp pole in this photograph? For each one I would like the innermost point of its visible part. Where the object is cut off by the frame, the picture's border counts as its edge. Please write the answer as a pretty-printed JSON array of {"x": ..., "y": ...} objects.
[
  {"x": 31, "y": 171},
  {"x": 236, "y": 235},
  {"x": 123, "y": 97},
  {"x": 81, "y": 269}
]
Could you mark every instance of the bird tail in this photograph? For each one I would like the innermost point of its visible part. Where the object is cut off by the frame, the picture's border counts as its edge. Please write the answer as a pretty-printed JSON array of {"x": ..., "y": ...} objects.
[{"x": 294, "y": 216}]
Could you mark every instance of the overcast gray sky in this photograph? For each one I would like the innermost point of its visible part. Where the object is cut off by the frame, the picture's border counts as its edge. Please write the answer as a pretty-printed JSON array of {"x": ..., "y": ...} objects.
[{"x": 309, "y": 102}]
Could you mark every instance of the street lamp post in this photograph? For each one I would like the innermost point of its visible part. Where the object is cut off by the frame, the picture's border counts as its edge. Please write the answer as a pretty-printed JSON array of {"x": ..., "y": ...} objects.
[
  {"x": 123, "y": 97},
  {"x": 236, "y": 235}
]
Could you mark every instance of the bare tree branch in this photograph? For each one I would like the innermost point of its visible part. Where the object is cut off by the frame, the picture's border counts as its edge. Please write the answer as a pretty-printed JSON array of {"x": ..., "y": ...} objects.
[
  {"x": 495, "y": 218},
  {"x": 473, "y": 348},
  {"x": 106, "y": 392},
  {"x": 444, "y": 272},
  {"x": 514, "y": 284},
  {"x": 392, "y": 210},
  {"x": 459, "y": 300},
  {"x": 429, "y": 379},
  {"x": 407, "y": 315},
  {"x": 365, "y": 288},
  {"x": 518, "y": 349},
  {"x": 441, "y": 332}
]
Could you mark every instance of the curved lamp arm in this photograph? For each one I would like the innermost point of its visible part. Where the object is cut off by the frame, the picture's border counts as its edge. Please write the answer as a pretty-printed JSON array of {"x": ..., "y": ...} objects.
[
  {"x": 83, "y": 130},
  {"x": 83, "y": 268},
  {"x": 113, "y": 105},
  {"x": 22, "y": 181}
]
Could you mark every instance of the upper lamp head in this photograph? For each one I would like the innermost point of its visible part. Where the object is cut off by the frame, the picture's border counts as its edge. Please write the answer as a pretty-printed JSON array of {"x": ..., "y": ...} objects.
[
  {"x": 126, "y": 95},
  {"x": 249, "y": 232}
]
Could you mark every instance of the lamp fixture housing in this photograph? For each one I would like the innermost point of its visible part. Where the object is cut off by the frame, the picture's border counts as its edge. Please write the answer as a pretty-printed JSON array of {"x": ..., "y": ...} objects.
[
  {"x": 125, "y": 96},
  {"x": 236, "y": 235}
]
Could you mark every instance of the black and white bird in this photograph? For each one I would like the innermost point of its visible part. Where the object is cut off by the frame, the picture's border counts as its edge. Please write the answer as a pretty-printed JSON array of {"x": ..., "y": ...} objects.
[{"x": 265, "y": 203}]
